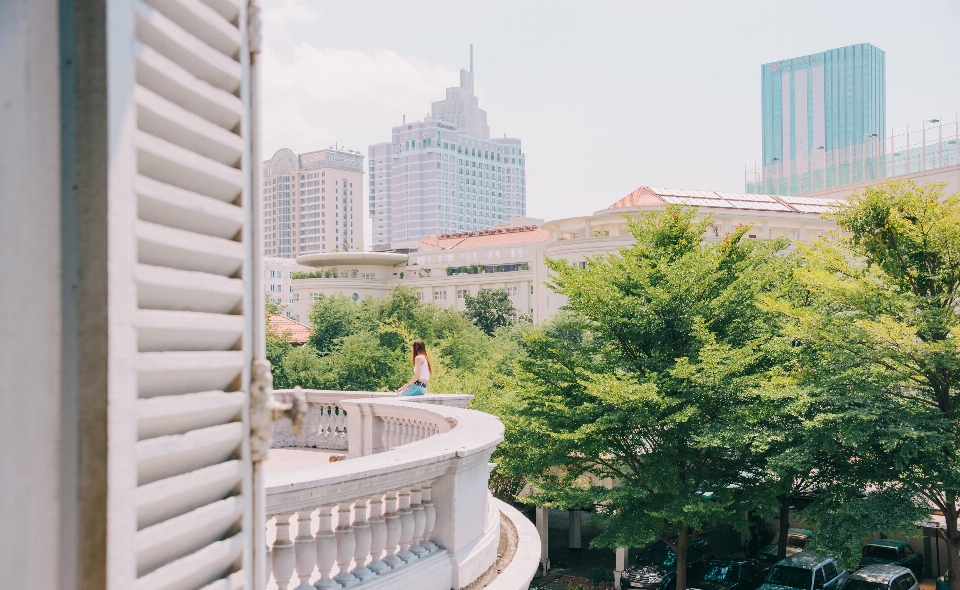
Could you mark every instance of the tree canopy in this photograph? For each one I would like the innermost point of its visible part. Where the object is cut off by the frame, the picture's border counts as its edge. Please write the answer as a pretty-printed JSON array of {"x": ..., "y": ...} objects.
[
  {"x": 640, "y": 399},
  {"x": 490, "y": 309}
]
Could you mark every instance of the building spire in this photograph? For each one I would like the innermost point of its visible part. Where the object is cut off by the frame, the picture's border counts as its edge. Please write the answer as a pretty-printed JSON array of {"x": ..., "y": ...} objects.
[{"x": 471, "y": 60}]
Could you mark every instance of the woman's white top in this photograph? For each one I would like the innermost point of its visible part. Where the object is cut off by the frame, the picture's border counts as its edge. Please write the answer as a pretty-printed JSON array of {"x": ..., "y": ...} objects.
[{"x": 424, "y": 373}]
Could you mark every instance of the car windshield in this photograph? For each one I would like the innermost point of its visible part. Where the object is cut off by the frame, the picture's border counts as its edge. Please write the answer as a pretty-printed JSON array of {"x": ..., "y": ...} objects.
[
  {"x": 796, "y": 541},
  {"x": 794, "y": 577},
  {"x": 658, "y": 554},
  {"x": 722, "y": 572},
  {"x": 852, "y": 584},
  {"x": 880, "y": 552}
]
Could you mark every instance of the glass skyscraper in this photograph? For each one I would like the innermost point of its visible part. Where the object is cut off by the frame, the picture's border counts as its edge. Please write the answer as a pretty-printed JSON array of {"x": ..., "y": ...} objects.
[{"x": 819, "y": 104}]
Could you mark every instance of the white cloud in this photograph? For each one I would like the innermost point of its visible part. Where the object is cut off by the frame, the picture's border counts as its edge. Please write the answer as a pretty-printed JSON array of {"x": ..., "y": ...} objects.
[
  {"x": 312, "y": 98},
  {"x": 280, "y": 18}
]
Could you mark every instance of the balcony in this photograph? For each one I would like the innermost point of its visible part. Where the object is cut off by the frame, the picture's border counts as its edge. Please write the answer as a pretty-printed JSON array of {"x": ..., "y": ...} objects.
[{"x": 385, "y": 492}]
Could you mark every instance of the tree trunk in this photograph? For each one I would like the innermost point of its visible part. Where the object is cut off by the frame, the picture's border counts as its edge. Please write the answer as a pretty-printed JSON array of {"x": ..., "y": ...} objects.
[
  {"x": 953, "y": 545},
  {"x": 785, "y": 528},
  {"x": 683, "y": 543}
]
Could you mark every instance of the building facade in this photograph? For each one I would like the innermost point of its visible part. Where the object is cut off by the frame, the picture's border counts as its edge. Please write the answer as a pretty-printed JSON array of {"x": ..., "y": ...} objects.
[
  {"x": 312, "y": 202},
  {"x": 443, "y": 268},
  {"x": 444, "y": 174},
  {"x": 820, "y": 104}
]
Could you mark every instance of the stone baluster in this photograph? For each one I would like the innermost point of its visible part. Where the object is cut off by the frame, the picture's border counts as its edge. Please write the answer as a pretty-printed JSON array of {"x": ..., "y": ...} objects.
[
  {"x": 419, "y": 520},
  {"x": 361, "y": 532},
  {"x": 341, "y": 422},
  {"x": 282, "y": 551},
  {"x": 312, "y": 427},
  {"x": 346, "y": 544},
  {"x": 326, "y": 550},
  {"x": 304, "y": 549},
  {"x": 378, "y": 535},
  {"x": 324, "y": 422},
  {"x": 418, "y": 430},
  {"x": 430, "y": 514},
  {"x": 392, "y": 518},
  {"x": 269, "y": 556},
  {"x": 406, "y": 526},
  {"x": 404, "y": 431},
  {"x": 388, "y": 433}
]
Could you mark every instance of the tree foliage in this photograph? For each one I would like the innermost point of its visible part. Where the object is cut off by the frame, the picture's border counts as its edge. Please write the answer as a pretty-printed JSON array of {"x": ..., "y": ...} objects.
[
  {"x": 643, "y": 399},
  {"x": 490, "y": 309},
  {"x": 880, "y": 328}
]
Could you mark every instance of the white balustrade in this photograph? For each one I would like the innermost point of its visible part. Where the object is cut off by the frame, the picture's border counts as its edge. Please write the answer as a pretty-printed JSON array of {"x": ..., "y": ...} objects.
[
  {"x": 325, "y": 426},
  {"x": 412, "y": 517}
]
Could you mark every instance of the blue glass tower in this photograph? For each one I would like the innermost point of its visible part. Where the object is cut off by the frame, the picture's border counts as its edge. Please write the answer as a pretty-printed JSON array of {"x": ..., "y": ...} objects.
[{"x": 827, "y": 101}]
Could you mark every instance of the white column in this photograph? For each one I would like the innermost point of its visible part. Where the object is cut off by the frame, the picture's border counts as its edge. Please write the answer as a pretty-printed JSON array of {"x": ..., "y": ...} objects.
[
  {"x": 623, "y": 557},
  {"x": 406, "y": 526},
  {"x": 361, "y": 532},
  {"x": 574, "y": 518},
  {"x": 419, "y": 522},
  {"x": 378, "y": 535},
  {"x": 282, "y": 552},
  {"x": 346, "y": 544},
  {"x": 305, "y": 549},
  {"x": 543, "y": 515},
  {"x": 326, "y": 550},
  {"x": 392, "y": 519},
  {"x": 430, "y": 512}
]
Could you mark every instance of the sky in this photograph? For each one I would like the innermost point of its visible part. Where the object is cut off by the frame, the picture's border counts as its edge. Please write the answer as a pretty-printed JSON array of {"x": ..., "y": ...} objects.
[{"x": 606, "y": 96}]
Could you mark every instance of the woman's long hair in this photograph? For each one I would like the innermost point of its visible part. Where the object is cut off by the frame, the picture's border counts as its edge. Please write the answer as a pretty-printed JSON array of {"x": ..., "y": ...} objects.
[{"x": 419, "y": 348}]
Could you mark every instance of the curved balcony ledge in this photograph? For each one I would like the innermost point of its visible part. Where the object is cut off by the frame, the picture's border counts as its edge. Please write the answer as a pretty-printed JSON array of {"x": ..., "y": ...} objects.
[{"x": 409, "y": 508}]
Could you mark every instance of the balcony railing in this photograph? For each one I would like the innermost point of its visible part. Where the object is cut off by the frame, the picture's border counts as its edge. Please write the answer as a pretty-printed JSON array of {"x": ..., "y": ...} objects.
[{"x": 409, "y": 508}]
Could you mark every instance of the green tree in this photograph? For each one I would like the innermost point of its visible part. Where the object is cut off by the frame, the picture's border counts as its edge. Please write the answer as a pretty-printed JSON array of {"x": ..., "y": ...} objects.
[
  {"x": 303, "y": 367},
  {"x": 490, "y": 309},
  {"x": 882, "y": 324},
  {"x": 645, "y": 400},
  {"x": 332, "y": 317},
  {"x": 278, "y": 345}
]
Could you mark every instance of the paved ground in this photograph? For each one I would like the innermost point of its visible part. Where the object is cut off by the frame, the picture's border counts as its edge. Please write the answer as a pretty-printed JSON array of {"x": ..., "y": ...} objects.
[{"x": 289, "y": 459}]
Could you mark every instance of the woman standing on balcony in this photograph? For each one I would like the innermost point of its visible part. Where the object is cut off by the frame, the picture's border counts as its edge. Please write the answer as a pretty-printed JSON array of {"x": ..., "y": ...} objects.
[{"x": 417, "y": 385}]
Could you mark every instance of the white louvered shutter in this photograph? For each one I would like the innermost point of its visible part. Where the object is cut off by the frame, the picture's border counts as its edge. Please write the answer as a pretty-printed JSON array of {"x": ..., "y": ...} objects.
[{"x": 194, "y": 281}]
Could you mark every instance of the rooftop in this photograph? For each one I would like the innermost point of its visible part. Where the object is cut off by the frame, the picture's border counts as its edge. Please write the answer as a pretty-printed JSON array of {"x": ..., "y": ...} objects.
[
  {"x": 280, "y": 325},
  {"x": 655, "y": 196},
  {"x": 356, "y": 258},
  {"x": 487, "y": 237}
]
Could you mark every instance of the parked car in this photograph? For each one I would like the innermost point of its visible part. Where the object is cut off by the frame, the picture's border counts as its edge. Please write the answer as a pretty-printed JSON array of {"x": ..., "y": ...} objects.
[
  {"x": 796, "y": 540},
  {"x": 806, "y": 571},
  {"x": 890, "y": 552},
  {"x": 655, "y": 567},
  {"x": 882, "y": 577},
  {"x": 729, "y": 573}
]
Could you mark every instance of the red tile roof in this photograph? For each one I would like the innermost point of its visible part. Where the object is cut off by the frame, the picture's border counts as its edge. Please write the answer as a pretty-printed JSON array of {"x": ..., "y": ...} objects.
[
  {"x": 487, "y": 237},
  {"x": 296, "y": 332}
]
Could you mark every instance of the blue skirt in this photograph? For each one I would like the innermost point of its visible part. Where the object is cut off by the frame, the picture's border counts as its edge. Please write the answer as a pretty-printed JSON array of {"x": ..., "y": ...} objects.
[{"x": 414, "y": 389}]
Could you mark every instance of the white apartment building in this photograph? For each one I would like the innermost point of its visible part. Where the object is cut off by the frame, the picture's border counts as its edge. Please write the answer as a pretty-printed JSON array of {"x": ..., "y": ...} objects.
[
  {"x": 312, "y": 202},
  {"x": 444, "y": 174},
  {"x": 443, "y": 268},
  {"x": 278, "y": 281}
]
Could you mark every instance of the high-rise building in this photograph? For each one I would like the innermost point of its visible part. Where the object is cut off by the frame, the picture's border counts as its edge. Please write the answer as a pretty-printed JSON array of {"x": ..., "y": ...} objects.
[
  {"x": 821, "y": 103},
  {"x": 312, "y": 202},
  {"x": 444, "y": 174}
]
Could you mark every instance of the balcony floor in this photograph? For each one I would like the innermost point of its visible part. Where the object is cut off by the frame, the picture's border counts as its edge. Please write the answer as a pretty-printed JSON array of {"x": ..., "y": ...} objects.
[{"x": 280, "y": 460}]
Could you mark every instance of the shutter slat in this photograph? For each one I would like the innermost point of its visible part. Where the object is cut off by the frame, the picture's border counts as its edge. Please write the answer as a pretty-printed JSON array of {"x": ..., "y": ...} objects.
[
  {"x": 166, "y": 78},
  {"x": 167, "y": 456},
  {"x": 203, "y": 22},
  {"x": 234, "y": 581},
  {"x": 182, "y": 209},
  {"x": 171, "y": 122},
  {"x": 177, "y": 414},
  {"x": 228, "y": 9},
  {"x": 167, "y": 288},
  {"x": 173, "y": 496},
  {"x": 175, "y": 248},
  {"x": 184, "y": 534},
  {"x": 197, "y": 569},
  {"x": 187, "y": 330},
  {"x": 177, "y": 166},
  {"x": 175, "y": 373},
  {"x": 190, "y": 53}
]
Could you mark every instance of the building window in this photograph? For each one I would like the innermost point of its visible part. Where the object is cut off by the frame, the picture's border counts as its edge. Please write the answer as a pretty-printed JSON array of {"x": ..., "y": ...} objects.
[
  {"x": 513, "y": 291},
  {"x": 531, "y": 289},
  {"x": 439, "y": 295},
  {"x": 420, "y": 295},
  {"x": 462, "y": 292}
]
